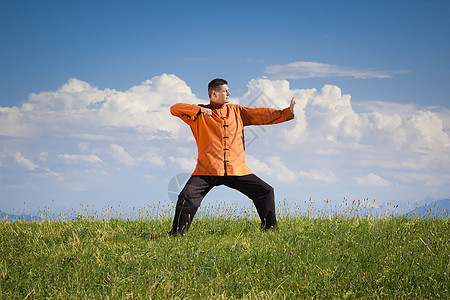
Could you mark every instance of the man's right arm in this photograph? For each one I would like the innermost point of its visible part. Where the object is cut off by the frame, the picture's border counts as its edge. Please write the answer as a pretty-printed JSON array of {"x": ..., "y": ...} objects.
[
  {"x": 189, "y": 112},
  {"x": 186, "y": 112}
]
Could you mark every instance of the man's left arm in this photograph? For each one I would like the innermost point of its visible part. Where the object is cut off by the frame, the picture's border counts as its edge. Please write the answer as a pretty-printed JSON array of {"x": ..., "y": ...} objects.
[{"x": 266, "y": 116}]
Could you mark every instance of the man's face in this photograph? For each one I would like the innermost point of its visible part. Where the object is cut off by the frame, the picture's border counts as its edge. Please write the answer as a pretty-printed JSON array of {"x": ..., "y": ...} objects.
[{"x": 222, "y": 96}]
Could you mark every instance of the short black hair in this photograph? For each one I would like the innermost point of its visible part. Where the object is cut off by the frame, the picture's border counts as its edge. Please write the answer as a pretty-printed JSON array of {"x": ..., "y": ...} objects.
[{"x": 215, "y": 85}]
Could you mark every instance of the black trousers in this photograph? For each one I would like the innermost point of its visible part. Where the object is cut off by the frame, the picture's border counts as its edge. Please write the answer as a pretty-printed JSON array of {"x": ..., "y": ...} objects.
[{"x": 197, "y": 187}]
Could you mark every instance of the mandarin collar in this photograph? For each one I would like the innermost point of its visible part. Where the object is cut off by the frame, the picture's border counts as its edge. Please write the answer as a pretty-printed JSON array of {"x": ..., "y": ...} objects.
[{"x": 217, "y": 107}]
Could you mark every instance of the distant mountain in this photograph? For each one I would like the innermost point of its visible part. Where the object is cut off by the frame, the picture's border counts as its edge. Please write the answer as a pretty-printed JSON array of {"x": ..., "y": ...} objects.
[
  {"x": 5, "y": 216},
  {"x": 436, "y": 209}
]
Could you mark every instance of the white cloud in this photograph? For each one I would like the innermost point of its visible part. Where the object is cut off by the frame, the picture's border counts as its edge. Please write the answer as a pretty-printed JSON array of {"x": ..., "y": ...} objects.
[
  {"x": 430, "y": 130},
  {"x": 402, "y": 148},
  {"x": 257, "y": 166},
  {"x": 186, "y": 164},
  {"x": 373, "y": 180},
  {"x": 305, "y": 69},
  {"x": 274, "y": 168},
  {"x": 153, "y": 159},
  {"x": 46, "y": 172},
  {"x": 384, "y": 134},
  {"x": 281, "y": 171},
  {"x": 24, "y": 162},
  {"x": 118, "y": 153},
  {"x": 432, "y": 180},
  {"x": 73, "y": 158},
  {"x": 321, "y": 175},
  {"x": 78, "y": 109},
  {"x": 264, "y": 92},
  {"x": 14, "y": 122},
  {"x": 331, "y": 117},
  {"x": 383, "y": 128}
]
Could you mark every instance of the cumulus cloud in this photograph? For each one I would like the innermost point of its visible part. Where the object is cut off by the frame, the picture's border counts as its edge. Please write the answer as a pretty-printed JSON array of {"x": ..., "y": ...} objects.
[
  {"x": 153, "y": 159},
  {"x": 329, "y": 117},
  {"x": 372, "y": 179},
  {"x": 186, "y": 164},
  {"x": 73, "y": 158},
  {"x": 282, "y": 172},
  {"x": 258, "y": 166},
  {"x": 273, "y": 168},
  {"x": 24, "y": 162},
  {"x": 80, "y": 110},
  {"x": 46, "y": 172},
  {"x": 430, "y": 130},
  {"x": 325, "y": 114},
  {"x": 305, "y": 69},
  {"x": 320, "y": 175},
  {"x": 118, "y": 153},
  {"x": 82, "y": 136}
]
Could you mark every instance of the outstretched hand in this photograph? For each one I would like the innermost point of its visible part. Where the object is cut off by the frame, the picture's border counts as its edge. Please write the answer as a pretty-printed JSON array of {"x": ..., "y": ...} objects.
[{"x": 292, "y": 106}]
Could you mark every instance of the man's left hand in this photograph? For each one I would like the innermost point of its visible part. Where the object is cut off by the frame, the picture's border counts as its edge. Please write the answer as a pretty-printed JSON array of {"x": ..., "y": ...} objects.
[{"x": 291, "y": 107}]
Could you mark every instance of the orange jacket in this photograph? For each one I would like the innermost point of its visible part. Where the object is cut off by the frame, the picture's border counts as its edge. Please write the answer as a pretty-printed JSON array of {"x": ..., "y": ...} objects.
[{"x": 220, "y": 137}]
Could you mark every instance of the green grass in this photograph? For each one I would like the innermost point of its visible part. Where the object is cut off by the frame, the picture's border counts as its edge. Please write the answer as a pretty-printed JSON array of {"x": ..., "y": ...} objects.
[{"x": 226, "y": 258}]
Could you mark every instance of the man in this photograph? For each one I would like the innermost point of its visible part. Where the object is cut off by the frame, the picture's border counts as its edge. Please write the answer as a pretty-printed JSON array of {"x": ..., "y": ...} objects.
[{"x": 218, "y": 129}]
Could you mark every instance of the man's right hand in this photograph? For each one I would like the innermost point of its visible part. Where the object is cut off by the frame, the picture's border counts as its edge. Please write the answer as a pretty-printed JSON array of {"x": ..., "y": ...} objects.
[{"x": 206, "y": 111}]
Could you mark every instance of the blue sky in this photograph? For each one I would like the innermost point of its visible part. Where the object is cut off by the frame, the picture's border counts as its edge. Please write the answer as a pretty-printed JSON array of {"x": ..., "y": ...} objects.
[
  {"x": 384, "y": 62},
  {"x": 117, "y": 44}
]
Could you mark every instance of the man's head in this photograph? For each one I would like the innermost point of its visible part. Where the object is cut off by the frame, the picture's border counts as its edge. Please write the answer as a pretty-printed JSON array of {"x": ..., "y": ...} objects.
[{"x": 218, "y": 91}]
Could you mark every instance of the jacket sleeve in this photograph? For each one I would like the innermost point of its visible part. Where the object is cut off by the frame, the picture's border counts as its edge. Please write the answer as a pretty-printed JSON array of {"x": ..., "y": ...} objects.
[
  {"x": 186, "y": 112},
  {"x": 265, "y": 116}
]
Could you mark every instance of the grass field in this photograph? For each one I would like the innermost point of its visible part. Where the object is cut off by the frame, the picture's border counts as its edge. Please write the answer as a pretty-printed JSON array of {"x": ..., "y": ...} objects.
[{"x": 226, "y": 257}]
